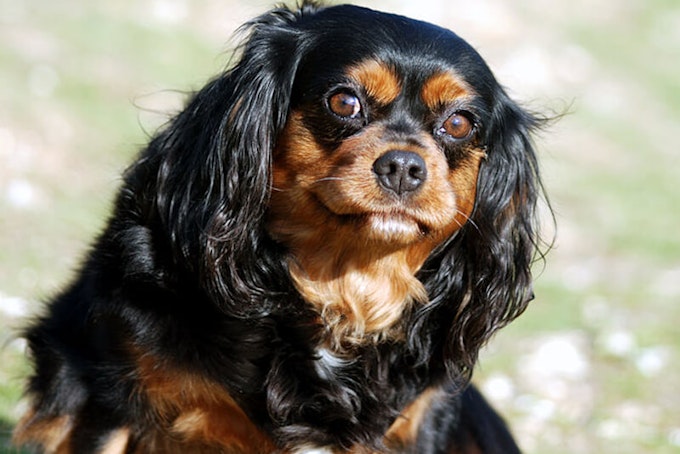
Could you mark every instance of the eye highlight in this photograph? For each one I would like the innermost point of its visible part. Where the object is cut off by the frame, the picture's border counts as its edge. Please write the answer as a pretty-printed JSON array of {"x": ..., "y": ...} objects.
[
  {"x": 345, "y": 105},
  {"x": 458, "y": 125}
]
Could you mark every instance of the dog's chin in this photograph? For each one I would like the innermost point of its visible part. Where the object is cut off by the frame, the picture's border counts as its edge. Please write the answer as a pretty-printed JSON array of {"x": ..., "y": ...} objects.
[{"x": 394, "y": 228}]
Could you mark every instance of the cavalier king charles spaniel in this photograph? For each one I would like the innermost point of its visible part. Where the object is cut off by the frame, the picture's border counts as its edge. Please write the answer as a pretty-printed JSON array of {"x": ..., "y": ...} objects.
[{"x": 306, "y": 259}]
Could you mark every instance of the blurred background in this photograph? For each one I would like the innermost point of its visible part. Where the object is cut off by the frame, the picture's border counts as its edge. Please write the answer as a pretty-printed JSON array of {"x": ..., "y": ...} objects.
[{"x": 591, "y": 367}]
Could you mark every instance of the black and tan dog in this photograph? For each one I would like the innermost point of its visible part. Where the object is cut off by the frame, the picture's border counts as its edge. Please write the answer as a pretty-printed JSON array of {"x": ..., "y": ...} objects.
[{"x": 306, "y": 259}]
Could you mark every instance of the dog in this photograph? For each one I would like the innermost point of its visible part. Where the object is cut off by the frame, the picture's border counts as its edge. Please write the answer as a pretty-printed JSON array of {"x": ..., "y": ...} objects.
[{"x": 306, "y": 259}]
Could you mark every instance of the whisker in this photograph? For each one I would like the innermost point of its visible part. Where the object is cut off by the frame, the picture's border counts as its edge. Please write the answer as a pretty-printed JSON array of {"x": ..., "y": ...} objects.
[
  {"x": 329, "y": 179},
  {"x": 468, "y": 220},
  {"x": 274, "y": 188}
]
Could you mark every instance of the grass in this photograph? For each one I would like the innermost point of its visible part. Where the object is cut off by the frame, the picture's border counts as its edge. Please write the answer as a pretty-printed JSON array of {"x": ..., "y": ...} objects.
[
  {"x": 609, "y": 290},
  {"x": 71, "y": 143}
]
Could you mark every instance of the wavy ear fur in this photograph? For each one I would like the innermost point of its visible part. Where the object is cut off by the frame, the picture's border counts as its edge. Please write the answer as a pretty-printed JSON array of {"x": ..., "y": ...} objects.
[
  {"x": 482, "y": 280},
  {"x": 213, "y": 165}
]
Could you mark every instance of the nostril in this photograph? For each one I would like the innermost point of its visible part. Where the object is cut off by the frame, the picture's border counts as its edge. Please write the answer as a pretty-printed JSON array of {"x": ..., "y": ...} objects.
[
  {"x": 400, "y": 171},
  {"x": 417, "y": 171}
]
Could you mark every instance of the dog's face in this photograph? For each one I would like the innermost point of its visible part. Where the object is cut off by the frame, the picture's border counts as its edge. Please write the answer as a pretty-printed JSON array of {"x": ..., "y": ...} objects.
[
  {"x": 383, "y": 146},
  {"x": 380, "y": 155}
]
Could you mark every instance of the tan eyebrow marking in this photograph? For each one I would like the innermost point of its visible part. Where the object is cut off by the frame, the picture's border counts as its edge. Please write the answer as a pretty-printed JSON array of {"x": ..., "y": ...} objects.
[
  {"x": 443, "y": 88},
  {"x": 380, "y": 82}
]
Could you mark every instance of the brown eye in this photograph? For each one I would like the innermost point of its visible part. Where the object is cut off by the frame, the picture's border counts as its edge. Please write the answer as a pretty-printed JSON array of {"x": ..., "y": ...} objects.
[
  {"x": 345, "y": 105},
  {"x": 458, "y": 126}
]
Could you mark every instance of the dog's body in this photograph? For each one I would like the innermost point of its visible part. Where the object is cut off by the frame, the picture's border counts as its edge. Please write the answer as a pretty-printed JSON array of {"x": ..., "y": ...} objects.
[{"x": 307, "y": 258}]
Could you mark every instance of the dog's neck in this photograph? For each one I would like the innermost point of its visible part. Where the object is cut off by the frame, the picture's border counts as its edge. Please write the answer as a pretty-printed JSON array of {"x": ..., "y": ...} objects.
[{"x": 361, "y": 292}]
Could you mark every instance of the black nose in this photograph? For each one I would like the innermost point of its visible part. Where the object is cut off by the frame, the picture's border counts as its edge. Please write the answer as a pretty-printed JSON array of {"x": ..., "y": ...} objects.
[{"x": 400, "y": 171}]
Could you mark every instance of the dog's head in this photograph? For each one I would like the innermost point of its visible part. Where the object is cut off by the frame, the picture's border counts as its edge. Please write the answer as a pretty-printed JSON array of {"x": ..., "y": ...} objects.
[
  {"x": 373, "y": 158},
  {"x": 384, "y": 141}
]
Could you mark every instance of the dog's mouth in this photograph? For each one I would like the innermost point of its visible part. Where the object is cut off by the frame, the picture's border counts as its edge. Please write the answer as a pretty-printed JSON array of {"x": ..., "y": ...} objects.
[{"x": 393, "y": 226}]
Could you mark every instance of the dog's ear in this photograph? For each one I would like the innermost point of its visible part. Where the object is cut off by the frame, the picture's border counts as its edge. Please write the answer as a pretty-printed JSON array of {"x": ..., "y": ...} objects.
[
  {"x": 213, "y": 162},
  {"x": 481, "y": 280}
]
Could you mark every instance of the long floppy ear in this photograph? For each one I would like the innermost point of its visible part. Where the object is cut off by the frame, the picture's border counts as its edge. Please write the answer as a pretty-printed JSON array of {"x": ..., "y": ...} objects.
[
  {"x": 481, "y": 280},
  {"x": 213, "y": 164}
]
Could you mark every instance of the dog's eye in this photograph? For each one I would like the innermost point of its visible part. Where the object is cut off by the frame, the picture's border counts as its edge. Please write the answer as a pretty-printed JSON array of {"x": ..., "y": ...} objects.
[
  {"x": 459, "y": 126},
  {"x": 345, "y": 105}
]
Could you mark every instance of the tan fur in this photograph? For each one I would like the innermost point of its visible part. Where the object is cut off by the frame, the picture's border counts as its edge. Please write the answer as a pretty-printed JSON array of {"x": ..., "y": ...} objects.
[
  {"x": 444, "y": 88},
  {"x": 117, "y": 442},
  {"x": 361, "y": 300},
  {"x": 378, "y": 80},
  {"x": 52, "y": 434},
  {"x": 198, "y": 414},
  {"x": 404, "y": 430}
]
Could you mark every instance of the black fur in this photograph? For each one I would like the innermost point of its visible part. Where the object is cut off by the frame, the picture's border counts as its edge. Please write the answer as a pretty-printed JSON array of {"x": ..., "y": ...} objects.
[
  {"x": 463, "y": 419},
  {"x": 186, "y": 272}
]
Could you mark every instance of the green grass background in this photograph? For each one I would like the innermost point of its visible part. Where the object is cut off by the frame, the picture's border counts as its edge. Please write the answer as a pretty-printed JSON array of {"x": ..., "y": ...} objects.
[{"x": 83, "y": 84}]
